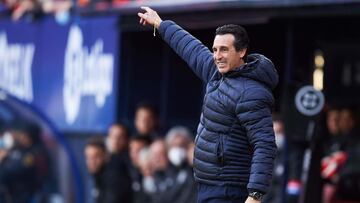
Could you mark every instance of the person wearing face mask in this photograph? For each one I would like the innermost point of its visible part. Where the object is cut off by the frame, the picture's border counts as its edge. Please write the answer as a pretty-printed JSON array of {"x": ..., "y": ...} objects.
[{"x": 178, "y": 140}]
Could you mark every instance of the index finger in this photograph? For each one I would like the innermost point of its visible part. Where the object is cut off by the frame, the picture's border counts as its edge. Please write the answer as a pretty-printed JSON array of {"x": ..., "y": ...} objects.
[{"x": 146, "y": 8}]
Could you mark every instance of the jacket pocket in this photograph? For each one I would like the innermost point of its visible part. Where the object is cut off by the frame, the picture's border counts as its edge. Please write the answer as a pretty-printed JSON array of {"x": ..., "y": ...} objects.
[{"x": 220, "y": 149}]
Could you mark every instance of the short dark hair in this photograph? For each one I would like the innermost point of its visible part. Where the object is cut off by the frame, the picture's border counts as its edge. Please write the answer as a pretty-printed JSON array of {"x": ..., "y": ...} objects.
[
  {"x": 352, "y": 109},
  {"x": 241, "y": 37},
  {"x": 96, "y": 142},
  {"x": 149, "y": 107},
  {"x": 144, "y": 139},
  {"x": 123, "y": 127}
]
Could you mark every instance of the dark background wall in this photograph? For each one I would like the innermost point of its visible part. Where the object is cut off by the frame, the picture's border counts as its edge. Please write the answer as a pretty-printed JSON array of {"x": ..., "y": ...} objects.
[{"x": 152, "y": 72}]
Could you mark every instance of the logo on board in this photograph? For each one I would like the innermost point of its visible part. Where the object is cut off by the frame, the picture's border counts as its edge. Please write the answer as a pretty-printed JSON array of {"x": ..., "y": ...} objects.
[
  {"x": 88, "y": 72},
  {"x": 15, "y": 68}
]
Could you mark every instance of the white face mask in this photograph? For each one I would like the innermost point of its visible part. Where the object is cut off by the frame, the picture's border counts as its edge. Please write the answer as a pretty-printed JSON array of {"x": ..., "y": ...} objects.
[
  {"x": 6, "y": 141},
  {"x": 177, "y": 155},
  {"x": 149, "y": 184},
  {"x": 280, "y": 140}
]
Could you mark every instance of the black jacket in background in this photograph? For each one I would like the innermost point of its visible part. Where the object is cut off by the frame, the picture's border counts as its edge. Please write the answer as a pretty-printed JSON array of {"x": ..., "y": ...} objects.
[
  {"x": 22, "y": 174},
  {"x": 349, "y": 182},
  {"x": 113, "y": 184}
]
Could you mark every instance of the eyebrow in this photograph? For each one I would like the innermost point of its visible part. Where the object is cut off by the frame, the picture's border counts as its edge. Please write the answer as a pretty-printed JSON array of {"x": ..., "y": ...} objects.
[{"x": 220, "y": 47}]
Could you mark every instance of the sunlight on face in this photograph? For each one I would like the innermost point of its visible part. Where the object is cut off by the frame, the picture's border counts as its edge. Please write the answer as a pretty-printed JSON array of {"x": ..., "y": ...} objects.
[{"x": 225, "y": 55}]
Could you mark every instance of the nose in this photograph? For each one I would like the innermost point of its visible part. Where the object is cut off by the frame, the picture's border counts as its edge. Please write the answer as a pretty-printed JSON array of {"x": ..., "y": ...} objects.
[{"x": 217, "y": 55}]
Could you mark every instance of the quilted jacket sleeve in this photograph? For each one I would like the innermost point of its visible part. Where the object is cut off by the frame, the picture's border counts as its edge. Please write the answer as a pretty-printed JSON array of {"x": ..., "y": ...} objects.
[
  {"x": 254, "y": 112},
  {"x": 190, "y": 49}
]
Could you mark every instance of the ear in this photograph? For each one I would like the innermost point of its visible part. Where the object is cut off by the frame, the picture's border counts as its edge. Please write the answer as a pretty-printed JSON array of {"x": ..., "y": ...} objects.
[{"x": 242, "y": 52}]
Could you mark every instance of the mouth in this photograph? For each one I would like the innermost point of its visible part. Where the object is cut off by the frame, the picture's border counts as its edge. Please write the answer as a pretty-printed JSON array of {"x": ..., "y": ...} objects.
[{"x": 221, "y": 64}]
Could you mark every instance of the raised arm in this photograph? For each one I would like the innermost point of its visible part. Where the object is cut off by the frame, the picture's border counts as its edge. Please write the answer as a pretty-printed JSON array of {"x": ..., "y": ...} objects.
[{"x": 198, "y": 57}]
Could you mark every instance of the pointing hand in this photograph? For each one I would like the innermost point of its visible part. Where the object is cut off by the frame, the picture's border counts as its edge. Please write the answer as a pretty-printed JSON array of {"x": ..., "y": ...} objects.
[{"x": 149, "y": 17}]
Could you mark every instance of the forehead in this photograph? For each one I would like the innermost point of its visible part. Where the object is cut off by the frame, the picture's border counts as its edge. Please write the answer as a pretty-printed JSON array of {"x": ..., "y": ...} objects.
[
  {"x": 137, "y": 143},
  {"x": 93, "y": 150},
  {"x": 116, "y": 130},
  {"x": 144, "y": 112},
  {"x": 224, "y": 40}
]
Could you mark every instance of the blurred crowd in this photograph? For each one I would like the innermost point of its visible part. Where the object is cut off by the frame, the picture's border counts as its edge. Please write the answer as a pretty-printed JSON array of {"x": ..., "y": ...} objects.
[
  {"x": 61, "y": 9},
  {"x": 145, "y": 165},
  {"x": 33, "y": 9},
  {"x": 340, "y": 165},
  {"x": 338, "y": 147}
]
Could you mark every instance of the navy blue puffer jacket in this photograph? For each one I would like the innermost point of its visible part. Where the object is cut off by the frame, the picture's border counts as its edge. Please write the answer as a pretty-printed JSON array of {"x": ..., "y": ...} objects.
[{"x": 235, "y": 142}]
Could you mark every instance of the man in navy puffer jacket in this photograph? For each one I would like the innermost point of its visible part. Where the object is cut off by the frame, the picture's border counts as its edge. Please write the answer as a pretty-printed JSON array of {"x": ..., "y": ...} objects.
[{"x": 235, "y": 144}]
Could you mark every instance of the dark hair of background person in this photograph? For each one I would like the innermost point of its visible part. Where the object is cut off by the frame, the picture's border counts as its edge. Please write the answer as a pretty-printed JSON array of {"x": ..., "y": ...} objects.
[
  {"x": 97, "y": 142},
  {"x": 149, "y": 107},
  {"x": 138, "y": 138},
  {"x": 124, "y": 127}
]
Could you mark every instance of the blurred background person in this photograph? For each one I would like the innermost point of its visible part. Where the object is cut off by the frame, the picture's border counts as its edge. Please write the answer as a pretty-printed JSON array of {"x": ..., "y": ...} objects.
[
  {"x": 24, "y": 8},
  {"x": 146, "y": 121},
  {"x": 178, "y": 141},
  {"x": 340, "y": 167},
  {"x": 31, "y": 10},
  {"x": 348, "y": 121},
  {"x": 6, "y": 143},
  {"x": 111, "y": 183},
  {"x": 276, "y": 193},
  {"x": 117, "y": 144},
  {"x": 136, "y": 145},
  {"x": 164, "y": 175},
  {"x": 334, "y": 147},
  {"x": 348, "y": 184},
  {"x": 24, "y": 168},
  {"x": 148, "y": 187}
]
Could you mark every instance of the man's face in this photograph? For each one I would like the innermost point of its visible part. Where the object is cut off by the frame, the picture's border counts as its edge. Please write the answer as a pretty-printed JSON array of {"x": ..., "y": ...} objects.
[
  {"x": 117, "y": 139},
  {"x": 134, "y": 150},
  {"x": 332, "y": 121},
  {"x": 158, "y": 155},
  {"x": 346, "y": 121},
  {"x": 225, "y": 55},
  {"x": 144, "y": 121},
  {"x": 95, "y": 158}
]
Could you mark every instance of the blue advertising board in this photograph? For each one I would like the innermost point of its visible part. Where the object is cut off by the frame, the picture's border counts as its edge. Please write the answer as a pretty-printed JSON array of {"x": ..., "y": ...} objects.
[{"x": 67, "y": 71}]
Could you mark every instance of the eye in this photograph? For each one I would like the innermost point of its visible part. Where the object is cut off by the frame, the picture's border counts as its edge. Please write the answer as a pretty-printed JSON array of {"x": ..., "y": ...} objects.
[
  {"x": 214, "y": 49},
  {"x": 224, "y": 49}
]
